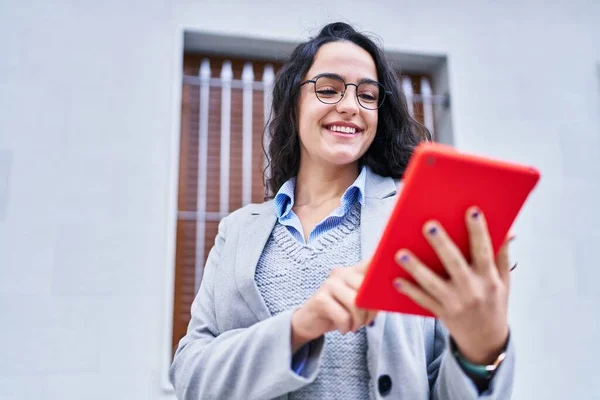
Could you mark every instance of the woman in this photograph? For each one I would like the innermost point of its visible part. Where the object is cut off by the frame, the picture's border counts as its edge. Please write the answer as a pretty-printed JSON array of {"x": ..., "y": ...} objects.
[{"x": 275, "y": 314}]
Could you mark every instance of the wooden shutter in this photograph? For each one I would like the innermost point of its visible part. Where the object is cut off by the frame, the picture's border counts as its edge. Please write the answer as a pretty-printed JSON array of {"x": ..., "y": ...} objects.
[{"x": 185, "y": 269}]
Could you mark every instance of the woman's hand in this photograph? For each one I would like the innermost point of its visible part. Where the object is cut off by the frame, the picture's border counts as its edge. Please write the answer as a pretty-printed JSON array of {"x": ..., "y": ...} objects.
[
  {"x": 332, "y": 307},
  {"x": 473, "y": 303}
]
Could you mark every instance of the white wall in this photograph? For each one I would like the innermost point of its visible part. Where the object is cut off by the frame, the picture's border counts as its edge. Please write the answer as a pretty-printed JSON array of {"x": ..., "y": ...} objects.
[{"x": 89, "y": 95}]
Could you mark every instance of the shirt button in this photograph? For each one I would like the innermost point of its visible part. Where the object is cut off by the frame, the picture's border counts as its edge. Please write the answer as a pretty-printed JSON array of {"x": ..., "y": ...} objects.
[{"x": 384, "y": 384}]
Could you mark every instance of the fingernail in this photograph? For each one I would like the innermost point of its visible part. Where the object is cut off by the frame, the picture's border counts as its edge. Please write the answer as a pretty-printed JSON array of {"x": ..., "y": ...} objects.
[
  {"x": 397, "y": 284},
  {"x": 514, "y": 266},
  {"x": 372, "y": 323},
  {"x": 403, "y": 258},
  {"x": 432, "y": 230},
  {"x": 475, "y": 214}
]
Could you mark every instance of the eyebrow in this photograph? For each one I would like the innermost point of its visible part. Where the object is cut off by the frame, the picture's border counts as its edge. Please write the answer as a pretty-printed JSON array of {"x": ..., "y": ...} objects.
[{"x": 333, "y": 75}]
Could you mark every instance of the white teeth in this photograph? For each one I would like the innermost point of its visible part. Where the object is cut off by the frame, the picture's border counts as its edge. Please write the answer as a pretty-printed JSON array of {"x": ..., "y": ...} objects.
[{"x": 343, "y": 129}]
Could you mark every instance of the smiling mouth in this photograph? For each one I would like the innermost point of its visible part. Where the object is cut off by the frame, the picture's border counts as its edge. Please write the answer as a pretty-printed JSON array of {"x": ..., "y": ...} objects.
[{"x": 346, "y": 130}]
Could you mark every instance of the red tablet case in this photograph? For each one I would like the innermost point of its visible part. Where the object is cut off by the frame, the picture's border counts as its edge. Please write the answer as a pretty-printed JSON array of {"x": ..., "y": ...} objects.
[{"x": 440, "y": 184}]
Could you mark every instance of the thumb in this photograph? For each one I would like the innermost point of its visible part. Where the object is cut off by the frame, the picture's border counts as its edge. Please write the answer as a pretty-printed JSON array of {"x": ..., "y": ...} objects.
[{"x": 363, "y": 266}]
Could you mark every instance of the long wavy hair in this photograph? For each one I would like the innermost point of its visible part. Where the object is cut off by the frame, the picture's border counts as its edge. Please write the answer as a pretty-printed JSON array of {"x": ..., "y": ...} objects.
[{"x": 397, "y": 132}]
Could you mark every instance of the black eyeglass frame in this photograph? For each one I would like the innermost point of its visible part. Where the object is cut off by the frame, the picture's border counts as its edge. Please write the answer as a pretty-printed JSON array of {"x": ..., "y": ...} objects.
[{"x": 336, "y": 76}]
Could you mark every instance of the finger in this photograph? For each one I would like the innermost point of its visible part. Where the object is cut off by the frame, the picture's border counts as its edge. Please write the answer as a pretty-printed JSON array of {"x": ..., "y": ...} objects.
[
  {"x": 346, "y": 296},
  {"x": 503, "y": 263},
  {"x": 450, "y": 255},
  {"x": 418, "y": 296},
  {"x": 429, "y": 281},
  {"x": 353, "y": 278},
  {"x": 337, "y": 314},
  {"x": 482, "y": 252}
]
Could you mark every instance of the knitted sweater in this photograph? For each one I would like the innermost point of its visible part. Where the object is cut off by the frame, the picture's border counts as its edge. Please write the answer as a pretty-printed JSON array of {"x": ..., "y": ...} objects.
[{"x": 289, "y": 272}]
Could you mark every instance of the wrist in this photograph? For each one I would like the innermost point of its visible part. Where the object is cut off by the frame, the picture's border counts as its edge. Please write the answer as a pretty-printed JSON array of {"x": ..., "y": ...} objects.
[
  {"x": 485, "y": 352},
  {"x": 299, "y": 336},
  {"x": 479, "y": 372}
]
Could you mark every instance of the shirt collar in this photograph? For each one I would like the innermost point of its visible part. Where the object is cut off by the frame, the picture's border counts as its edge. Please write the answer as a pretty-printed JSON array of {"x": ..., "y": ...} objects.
[{"x": 284, "y": 199}]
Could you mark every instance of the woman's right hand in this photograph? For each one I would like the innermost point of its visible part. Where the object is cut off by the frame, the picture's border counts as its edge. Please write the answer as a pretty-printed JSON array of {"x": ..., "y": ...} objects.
[{"x": 332, "y": 307}]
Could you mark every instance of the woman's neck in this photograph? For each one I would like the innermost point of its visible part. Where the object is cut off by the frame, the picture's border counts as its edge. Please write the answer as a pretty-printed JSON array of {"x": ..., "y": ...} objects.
[{"x": 318, "y": 184}]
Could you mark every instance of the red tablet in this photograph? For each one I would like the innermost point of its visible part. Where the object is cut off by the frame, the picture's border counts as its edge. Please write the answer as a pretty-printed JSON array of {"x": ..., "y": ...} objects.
[{"x": 441, "y": 183}]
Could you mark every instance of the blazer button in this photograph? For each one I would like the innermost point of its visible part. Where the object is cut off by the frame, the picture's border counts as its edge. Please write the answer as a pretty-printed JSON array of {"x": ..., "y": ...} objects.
[{"x": 384, "y": 384}]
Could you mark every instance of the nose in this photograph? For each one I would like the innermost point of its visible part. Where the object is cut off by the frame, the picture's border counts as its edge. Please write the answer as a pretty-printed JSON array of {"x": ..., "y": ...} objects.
[{"x": 349, "y": 103}]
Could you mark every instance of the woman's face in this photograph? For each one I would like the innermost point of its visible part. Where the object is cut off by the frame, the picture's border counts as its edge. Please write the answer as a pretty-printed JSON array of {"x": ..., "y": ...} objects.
[{"x": 337, "y": 134}]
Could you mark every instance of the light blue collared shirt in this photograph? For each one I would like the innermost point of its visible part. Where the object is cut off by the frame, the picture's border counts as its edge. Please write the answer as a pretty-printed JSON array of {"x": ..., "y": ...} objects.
[{"x": 284, "y": 202}]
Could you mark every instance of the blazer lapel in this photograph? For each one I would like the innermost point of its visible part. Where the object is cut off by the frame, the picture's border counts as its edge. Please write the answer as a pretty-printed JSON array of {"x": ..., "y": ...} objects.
[
  {"x": 379, "y": 202},
  {"x": 254, "y": 233}
]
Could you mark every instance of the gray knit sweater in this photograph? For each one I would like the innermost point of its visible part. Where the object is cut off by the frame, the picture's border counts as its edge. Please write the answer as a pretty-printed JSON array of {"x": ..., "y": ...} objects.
[{"x": 289, "y": 272}]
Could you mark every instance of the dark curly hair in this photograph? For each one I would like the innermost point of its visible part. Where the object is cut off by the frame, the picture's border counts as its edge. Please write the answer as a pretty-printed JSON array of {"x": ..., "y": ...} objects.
[{"x": 397, "y": 132}]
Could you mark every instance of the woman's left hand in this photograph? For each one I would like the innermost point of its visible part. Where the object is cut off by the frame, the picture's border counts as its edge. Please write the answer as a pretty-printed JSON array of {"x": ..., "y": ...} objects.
[{"x": 473, "y": 303}]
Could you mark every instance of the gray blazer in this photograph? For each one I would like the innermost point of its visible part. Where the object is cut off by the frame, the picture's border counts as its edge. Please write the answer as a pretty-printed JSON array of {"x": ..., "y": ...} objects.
[{"x": 235, "y": 349}]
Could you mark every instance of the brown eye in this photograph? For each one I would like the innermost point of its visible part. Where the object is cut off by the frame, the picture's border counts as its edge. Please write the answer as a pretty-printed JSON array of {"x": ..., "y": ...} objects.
[
  {"x": 368, "y": 97},
  {"x": 327, "y": 92}
]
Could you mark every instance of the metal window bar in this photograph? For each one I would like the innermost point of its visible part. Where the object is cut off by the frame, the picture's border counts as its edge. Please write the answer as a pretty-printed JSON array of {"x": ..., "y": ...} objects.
[
  {"x": 247, "y": 78},
  {"x": 204, "y": 77}
]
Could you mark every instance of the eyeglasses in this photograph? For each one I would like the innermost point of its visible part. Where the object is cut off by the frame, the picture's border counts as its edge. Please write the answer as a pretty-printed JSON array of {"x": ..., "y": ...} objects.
[{"x": 331, "y": 88}]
